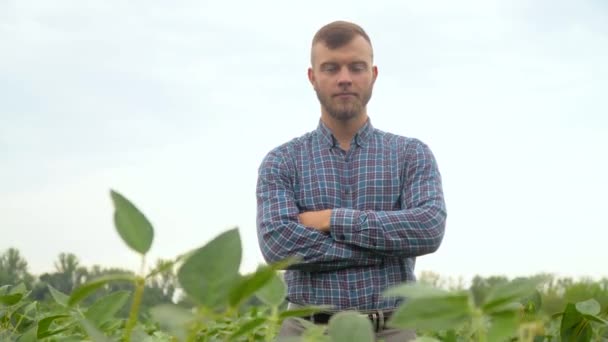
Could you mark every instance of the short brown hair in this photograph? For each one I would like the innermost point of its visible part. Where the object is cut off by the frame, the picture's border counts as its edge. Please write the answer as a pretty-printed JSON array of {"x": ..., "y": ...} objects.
[{"x": 337, "y": 34}]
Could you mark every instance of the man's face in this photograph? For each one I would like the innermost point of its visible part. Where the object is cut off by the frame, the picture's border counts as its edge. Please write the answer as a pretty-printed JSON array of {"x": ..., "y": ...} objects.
[{"x": 343, "y": 78}]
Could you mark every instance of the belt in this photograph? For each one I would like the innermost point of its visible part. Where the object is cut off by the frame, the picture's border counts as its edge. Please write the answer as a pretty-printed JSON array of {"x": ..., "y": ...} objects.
[{"x": 378, "y": 318}]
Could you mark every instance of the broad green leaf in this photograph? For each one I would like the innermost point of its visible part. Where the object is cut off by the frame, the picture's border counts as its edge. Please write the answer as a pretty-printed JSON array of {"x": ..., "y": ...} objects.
[
  {"x": 433, "y": 313},
  {"x": 503, "y": 325},
  {"x": 303, "y": 311},
  {"x": 504, "y": 294},
  {"x": 247, "y": 327},
  {"x": 588, "y": 307},
  {"x": 574, "y": 326},
  {"x": 44, "y": 325},
  {"x": 350, "y": 326},
  {"x": 274, "y": 292},
  {"x": 173, "y": 318},
  {"x": 83, "y": 291},
  {"x": 59, "y": 297},
  {"x": 133, "y": 227},
  {"x": 20, "y": 288},
  {"x": 209, "y": 273},
  {"x": 414, "y": 290},
  {"x": 30, "y": 307},
  {"x": 313, "y": 333},
  {"x": 93, "y": 332},
  {"x": 249, "y": 284},
  {"x": 106, "y": 307},
  {"x": 29, "y": 335},
  {"x": 11, "y": 299},
  {"x": 171, "y": 315},
  {"x": 4, "y": 289}
]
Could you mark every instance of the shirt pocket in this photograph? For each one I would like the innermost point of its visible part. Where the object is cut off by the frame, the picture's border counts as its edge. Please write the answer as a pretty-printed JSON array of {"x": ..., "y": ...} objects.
[{"x": 379, "y": 189}]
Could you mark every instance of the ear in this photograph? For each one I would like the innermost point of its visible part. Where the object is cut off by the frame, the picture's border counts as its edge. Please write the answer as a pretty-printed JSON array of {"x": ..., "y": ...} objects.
[
  {"x": 374, "y": 73},
  {"x": 311, "y": 76}
]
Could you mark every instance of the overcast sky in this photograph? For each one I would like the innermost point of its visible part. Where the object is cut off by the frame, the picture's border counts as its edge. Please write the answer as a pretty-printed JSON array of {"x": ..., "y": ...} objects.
[{"x": 174, "y": 104}]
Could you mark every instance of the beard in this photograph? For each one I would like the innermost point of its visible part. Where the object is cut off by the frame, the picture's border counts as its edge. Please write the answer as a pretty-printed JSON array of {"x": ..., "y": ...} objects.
[{"x": 344, "y": 109}]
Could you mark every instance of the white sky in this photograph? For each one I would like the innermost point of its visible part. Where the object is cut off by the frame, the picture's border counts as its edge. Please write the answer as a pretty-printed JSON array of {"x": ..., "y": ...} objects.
[{"x": 174, "y": 104}]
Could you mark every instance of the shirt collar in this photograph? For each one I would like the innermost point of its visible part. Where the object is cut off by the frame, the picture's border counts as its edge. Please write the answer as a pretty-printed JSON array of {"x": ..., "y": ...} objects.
[{"x": 361, "y": 137}]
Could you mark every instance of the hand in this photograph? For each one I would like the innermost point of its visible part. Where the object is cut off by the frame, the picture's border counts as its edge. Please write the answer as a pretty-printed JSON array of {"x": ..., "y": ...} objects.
[{"x": 319, "y": 220}]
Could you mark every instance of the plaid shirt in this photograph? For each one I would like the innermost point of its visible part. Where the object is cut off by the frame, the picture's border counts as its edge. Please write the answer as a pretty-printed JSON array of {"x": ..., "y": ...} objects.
[{"x": 387, "y": 208}]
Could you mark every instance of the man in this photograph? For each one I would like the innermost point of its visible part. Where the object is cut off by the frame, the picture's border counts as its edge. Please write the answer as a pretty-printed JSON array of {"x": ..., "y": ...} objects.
[{"x": 356, "y": 204}]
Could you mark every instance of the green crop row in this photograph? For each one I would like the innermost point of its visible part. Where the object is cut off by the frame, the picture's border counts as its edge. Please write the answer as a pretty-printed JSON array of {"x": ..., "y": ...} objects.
[{"x": 210, "y": 277}]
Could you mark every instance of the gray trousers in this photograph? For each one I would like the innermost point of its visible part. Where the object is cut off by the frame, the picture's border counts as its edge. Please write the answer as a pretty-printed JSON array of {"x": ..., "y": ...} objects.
[{"x": 293, "y": 327}]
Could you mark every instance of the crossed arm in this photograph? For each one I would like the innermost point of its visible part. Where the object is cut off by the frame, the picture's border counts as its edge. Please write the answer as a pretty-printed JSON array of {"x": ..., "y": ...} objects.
[{"x": 338, "y": 238}]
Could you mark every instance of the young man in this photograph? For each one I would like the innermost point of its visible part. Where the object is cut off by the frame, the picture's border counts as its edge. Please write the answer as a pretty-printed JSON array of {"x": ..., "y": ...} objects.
[{"x": 356, "y": 204}]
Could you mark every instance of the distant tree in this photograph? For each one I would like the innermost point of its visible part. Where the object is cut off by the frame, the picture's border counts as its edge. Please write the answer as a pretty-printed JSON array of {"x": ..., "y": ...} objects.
[
  {"x": 480, "y": 286},
  {"x": 13, "y": 269}
]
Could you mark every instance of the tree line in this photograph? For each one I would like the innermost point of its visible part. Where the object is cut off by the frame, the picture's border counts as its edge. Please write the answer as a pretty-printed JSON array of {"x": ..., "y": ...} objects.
[
  {"x": 163, "y": 287},
  {"x": 69, "y": 274}
]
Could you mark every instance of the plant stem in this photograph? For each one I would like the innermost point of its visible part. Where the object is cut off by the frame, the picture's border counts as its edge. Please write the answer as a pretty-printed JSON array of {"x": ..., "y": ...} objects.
[
  {"x": 479, "y": 326},
  {"x": 139, "y": 291},
  {"x": 274, "y": 319}
]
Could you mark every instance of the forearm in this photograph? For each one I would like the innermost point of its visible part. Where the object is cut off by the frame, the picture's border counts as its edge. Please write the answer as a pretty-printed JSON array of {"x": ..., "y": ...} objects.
[
  {"x": 282, "y": 235},
  {"x": 416, "y": 229},
  {"x": 407, "y": 233},
  {"x": 315, "y": 250}
]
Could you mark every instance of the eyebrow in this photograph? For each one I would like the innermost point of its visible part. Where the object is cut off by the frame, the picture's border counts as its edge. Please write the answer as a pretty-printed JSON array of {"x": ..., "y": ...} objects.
[{"x": 336, "y": 63}]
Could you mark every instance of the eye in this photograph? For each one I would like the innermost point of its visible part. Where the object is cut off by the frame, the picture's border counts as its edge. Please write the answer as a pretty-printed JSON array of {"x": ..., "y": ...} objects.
[
  {"x": 358, "y": 67},
  {"x": 330, "y": 68}
]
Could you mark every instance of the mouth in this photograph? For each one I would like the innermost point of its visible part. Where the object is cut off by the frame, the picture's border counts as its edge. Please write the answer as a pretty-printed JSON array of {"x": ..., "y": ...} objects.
[{"x": 345, "y": 95}]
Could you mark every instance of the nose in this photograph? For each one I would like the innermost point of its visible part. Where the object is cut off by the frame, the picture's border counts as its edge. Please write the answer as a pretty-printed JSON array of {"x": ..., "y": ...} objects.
[{"x": 344, "y": 78}]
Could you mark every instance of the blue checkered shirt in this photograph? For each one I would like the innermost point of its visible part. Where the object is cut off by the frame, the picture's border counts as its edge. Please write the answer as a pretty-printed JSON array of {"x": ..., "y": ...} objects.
[{"x": 387, "y": 206}]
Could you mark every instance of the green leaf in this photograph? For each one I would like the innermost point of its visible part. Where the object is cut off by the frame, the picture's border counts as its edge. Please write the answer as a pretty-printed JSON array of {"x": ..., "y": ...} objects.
[
  {"x": 83, "y": 291},
  {"x": 247, "y": 327},
  {"x": 11, "y": 299},
  {"x": 350, "y": 326},
  {"x": 44, "y": 325},
  {"x": 532, "y": 303},
  {"x": 94, "y": 334},
  {"x": 433, "y": 313},
  {"x": 504, "y": 294},
  {"x": 588, "y": 307},
  {"x": 133, "y": 227},
  {"x": 503, "y": 325},
  {"x": 106, "y": 307},
  {"x": 415, "y": 290},
  {"x": 574, "y": 326},
  {"x": 274, "y": 292},
  {"x": 173, "y": 318},
  {"x": 250, "y": 284},
  {"x": 30, "y": 307},
  {"x": 59, "y": 297},
  {"x": 29, "y": 335},
  {"x": 209, "y": 273},
  {"x": 595, "y": 319},
  {"x": 20, "y": 288}
]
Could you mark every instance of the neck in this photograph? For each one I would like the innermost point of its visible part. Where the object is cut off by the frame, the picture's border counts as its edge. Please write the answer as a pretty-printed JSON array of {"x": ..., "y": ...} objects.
[{"x": 344, "y": 131}]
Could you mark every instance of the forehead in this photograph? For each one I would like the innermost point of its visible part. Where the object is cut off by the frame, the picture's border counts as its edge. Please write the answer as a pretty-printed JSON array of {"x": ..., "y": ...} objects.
[{"x": 358, "y": 49}]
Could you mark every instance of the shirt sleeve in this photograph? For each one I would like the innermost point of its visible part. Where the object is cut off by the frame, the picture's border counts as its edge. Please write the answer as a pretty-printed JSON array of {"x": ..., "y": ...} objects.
[
  {"x": 280, "y": 234},
  {"x": 415, "y": 230}
]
